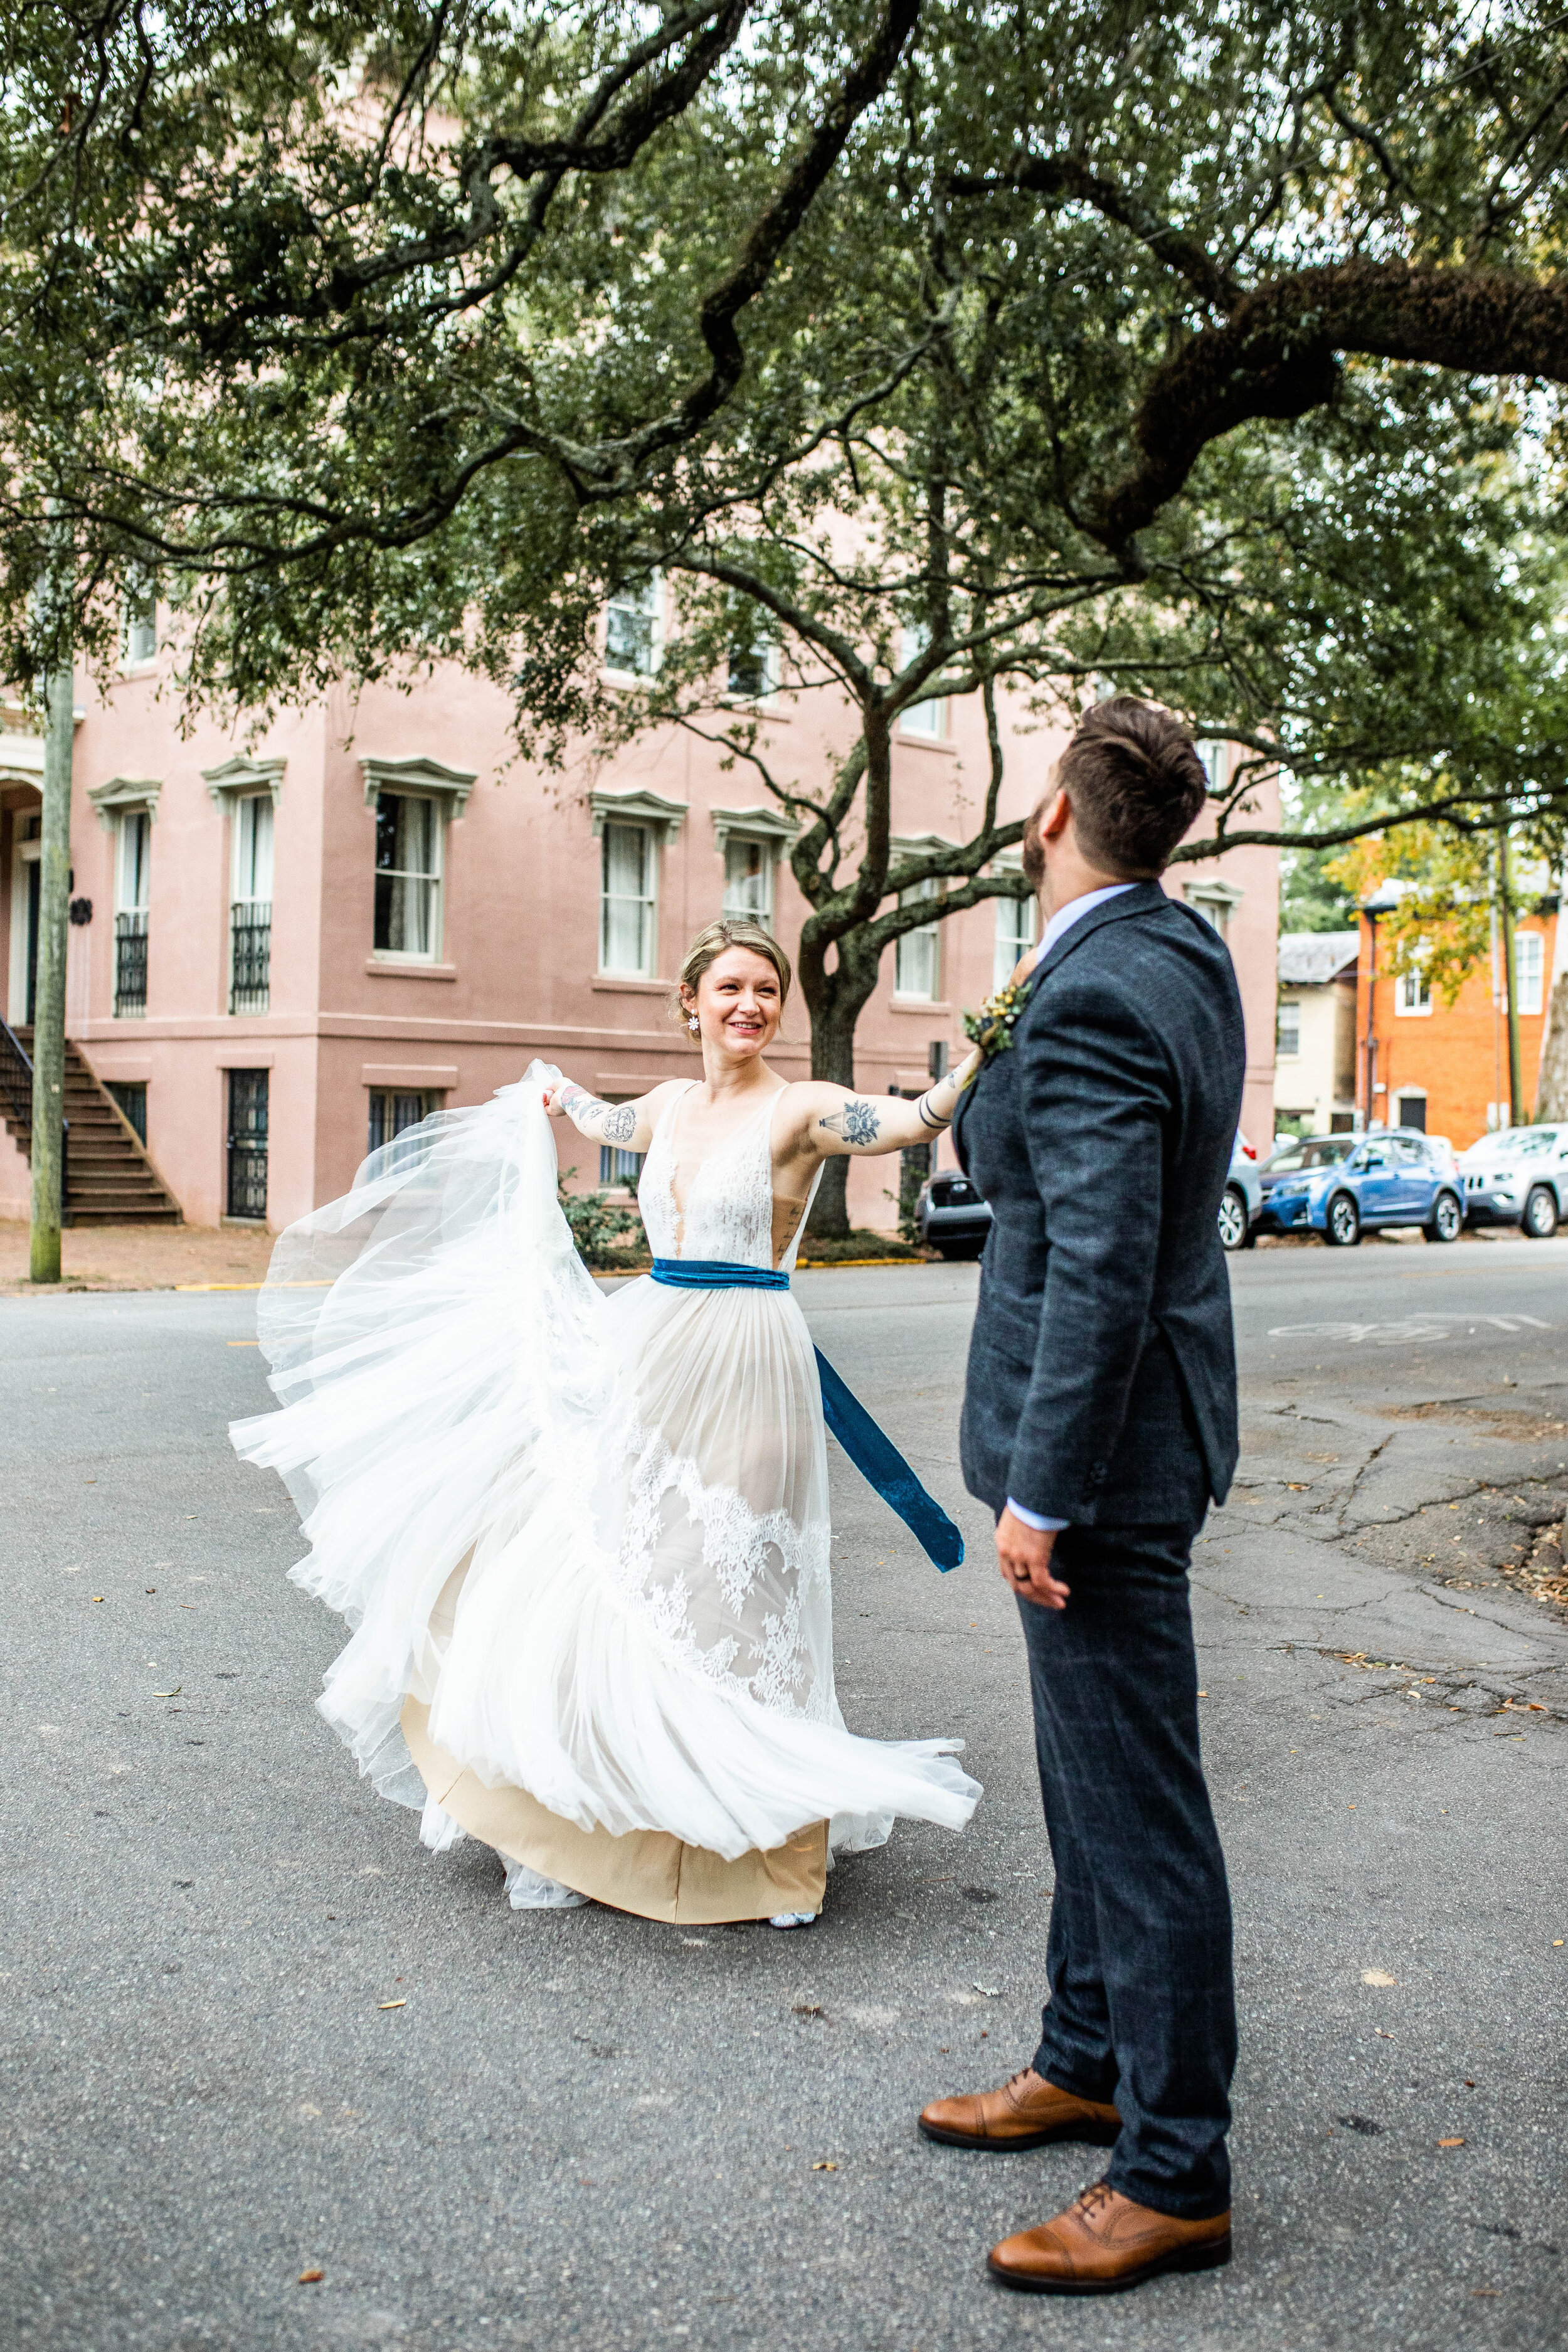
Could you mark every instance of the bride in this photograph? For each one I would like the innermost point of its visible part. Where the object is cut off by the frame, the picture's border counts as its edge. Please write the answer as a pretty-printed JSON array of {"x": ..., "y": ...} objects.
[{"x": 583, "y": 1538}]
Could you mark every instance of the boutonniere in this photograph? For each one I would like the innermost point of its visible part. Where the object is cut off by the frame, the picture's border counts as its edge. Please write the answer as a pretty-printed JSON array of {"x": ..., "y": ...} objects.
[{"x": 991, "y": 1027}]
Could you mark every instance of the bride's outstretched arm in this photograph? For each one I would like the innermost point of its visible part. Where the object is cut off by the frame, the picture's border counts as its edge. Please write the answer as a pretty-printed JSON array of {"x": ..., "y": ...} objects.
[
  {"x": 835, "y": 1120},
  {"x": 629, "y": 1124}
]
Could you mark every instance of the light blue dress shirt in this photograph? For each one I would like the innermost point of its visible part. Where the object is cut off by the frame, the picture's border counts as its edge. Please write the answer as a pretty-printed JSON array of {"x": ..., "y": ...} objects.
[{"x": 1063, "y": 920}]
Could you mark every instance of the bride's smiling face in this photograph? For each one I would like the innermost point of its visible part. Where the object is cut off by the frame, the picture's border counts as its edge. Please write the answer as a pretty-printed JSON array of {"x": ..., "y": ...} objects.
[{"x": 739, "y": 1002}]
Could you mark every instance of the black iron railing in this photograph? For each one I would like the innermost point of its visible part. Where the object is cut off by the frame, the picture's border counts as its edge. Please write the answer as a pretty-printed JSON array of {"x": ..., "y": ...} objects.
[
  {"x": 251, "y": 956},
  {"x": 17, "y": 1099},
  {"x": 130, "y": 964},
  {"x": 15, "y": 1077}
]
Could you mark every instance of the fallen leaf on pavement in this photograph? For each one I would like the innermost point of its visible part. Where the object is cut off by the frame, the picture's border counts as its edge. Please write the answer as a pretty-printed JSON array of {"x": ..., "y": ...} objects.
[
  {"x": 311, "y": 2278},
  {"x": 991, "y": 1992},
  {"x": 1450, "y": 2143},
  {"x": 392, "y": 2004},
  {"x": 174, "y": 1694},
  {"x": 824, "y": 2168},
  {"x": 1377, "y": 1977}
]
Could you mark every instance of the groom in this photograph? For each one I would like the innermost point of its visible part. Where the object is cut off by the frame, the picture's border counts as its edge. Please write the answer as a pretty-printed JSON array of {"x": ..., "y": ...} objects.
[{"x": 1099, "y": 1420}]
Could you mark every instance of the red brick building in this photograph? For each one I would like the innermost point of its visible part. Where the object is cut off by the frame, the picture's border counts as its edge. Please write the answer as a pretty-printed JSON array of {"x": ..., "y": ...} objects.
[{"x": 1444, "y": 1067}]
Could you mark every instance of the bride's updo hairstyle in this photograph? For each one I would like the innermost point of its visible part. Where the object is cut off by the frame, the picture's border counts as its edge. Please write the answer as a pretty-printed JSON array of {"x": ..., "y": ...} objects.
[{"x": 733, "y": 932}]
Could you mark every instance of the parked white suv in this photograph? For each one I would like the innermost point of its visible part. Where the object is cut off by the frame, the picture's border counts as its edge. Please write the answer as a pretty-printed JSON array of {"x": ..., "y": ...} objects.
[{"x": 1517, "y": 1177}]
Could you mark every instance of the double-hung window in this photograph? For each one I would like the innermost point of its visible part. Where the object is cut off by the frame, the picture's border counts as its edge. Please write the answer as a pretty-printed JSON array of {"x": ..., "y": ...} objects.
[
  {"x": 916, "y": 955},
  {"x": 132, "y": 890},
  {"x": 632, "y": 628},
  {"x": 754, "y": 673},
  {"x": 1015, "y": 936},
  {"x": 250, "y": 906},
  {"x": 749, "y": 880},
  {"x": 1530, "y": 969},
  {"x": 627, "y": 900},
  {"x": 408, "y": 877},
  {"x": 393, "y": 1112},
  {"x": 1288, "y": 1027},
  {"x": 1414, "y": 993},
  {"x": 140, "y": 622},
  {"x": 928, "y": 720}
]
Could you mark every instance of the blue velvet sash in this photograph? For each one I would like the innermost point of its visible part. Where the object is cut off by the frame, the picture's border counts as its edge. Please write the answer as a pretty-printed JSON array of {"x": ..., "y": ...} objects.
[{"x": 873, "y": 1452}]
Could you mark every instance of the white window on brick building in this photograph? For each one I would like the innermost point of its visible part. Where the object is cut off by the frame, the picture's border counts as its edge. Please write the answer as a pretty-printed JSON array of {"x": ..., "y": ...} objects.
[
  {"x": 408, "y": 844},
  {"x": 1015, "y": 936},
  {"x": 632, "y": 630},
  {"x": 917, "y": 956},
  {"x": 1530, "y": 969},
  {"x": 627, "y": 900}
]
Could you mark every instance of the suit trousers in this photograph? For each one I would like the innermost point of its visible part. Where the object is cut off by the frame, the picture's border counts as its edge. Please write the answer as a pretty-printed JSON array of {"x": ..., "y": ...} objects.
[{"x": 1142, "y": 2004}]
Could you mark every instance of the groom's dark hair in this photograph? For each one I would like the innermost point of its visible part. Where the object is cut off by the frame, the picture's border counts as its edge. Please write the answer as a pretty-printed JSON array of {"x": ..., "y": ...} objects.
[{"x": 1135, "y": 783}]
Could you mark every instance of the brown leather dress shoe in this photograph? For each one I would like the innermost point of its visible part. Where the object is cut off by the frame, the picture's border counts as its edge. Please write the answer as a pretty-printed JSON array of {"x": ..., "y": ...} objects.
[
  {"x": 1104, "y": 2242},
  {"x": 1027, "y": 2112}
]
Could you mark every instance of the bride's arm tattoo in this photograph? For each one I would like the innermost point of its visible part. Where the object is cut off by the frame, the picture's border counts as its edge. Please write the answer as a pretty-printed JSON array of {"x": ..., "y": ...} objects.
[
  {"x": 857, "y": 1122},
  {"x": 615, "y": 1122}
]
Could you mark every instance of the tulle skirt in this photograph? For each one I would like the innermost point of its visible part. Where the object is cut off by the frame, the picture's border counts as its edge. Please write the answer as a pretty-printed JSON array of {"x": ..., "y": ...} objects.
[{"x": 586, "y": 1537}]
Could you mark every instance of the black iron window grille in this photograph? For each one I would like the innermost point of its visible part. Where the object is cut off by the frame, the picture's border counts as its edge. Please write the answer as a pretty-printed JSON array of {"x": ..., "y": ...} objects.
[
  {"x": 250, "y": 955},
  {"x": 247, "y": 1143},
  {"x": 130, "y": 964},
  {"x": 393, "y": 1113}
]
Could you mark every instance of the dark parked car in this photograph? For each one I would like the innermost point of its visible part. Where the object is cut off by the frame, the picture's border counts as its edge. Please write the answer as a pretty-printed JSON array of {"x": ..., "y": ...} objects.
[{"x": 951, "y": 1216}]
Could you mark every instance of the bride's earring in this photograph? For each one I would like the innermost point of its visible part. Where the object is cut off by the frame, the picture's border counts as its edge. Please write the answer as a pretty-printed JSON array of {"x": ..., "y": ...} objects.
[{"x": 694, "y": 1024}]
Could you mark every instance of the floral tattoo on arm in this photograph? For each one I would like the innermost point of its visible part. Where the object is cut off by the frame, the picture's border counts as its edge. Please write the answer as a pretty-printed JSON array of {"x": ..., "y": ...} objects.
[
  {"x": 616, "y": 1122},
  {"x": 855, "y": 1121}
]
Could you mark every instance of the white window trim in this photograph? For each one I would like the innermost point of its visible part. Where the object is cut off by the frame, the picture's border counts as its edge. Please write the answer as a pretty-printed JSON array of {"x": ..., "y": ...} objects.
[
  {"x": 1530, "y": 1011},
  {"x": 913, "y": 640},
  {"x": 236, "y": 896},
  {"x": 769, "y": 828},
  {"x": 772, "y": 671},
  {"x": 418, "y": 956},
  {"x": 656, "y": 637},
  {"x": 1283, "y": 1053},
  {"x": 237, "y": 778},
  {"x": 132, "y": 664},
  {"x": 417, "y": 777},
  {"x": 126, "y": 792},
  {"x": 643, "y": 971},
  {"x": 640, "y": 808},
  {"x": 1010, "y": 861},
  {"x": 1403, "y": 1012}
]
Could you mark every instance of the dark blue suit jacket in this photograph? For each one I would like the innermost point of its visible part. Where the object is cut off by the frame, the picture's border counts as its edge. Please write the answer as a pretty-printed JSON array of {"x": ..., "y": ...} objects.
[{"x": 1102, "y": 1384}]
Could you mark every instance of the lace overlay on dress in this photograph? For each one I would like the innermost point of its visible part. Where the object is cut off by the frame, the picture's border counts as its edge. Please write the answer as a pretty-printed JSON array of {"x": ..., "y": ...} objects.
[{"x": 763, "y": 1619}]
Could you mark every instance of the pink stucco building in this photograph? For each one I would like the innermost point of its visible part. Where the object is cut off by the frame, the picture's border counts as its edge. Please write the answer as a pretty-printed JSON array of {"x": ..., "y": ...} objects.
[{"x": 297, "y": 944}]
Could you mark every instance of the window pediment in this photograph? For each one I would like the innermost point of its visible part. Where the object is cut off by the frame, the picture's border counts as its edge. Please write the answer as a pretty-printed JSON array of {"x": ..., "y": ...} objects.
[
  {"x": 241, "y": 776},
  {"x": 643, "y": 807},
  {"x": 123, "y": 793},
  {"x": 419, "y": 773},
  {"x": 754, "y": 824}
]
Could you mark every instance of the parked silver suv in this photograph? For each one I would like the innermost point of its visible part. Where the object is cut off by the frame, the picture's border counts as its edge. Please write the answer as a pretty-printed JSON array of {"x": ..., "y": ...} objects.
[{"x": 1517, "y": 1177}]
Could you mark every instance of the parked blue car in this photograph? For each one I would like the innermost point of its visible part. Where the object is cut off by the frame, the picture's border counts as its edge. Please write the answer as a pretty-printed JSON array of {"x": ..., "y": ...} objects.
[{"x": 1397, "y": 1178}]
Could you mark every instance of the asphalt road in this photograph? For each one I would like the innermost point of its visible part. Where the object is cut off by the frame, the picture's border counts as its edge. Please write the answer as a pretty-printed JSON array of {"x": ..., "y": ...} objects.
[{"x": 585, "y": 2129}]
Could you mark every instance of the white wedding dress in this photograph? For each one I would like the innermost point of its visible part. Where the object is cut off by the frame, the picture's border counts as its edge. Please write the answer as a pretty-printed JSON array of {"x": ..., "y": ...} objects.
[{"x": 582, "y": 1538}]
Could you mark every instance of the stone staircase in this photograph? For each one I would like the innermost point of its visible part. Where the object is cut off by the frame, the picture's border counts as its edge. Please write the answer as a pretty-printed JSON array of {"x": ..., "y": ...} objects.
[{"x": 110, "y": 1180}]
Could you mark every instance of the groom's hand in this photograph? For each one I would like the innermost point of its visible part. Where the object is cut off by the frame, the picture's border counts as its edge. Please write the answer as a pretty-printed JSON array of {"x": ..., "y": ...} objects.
[{"x": 1024, "y": 1556}]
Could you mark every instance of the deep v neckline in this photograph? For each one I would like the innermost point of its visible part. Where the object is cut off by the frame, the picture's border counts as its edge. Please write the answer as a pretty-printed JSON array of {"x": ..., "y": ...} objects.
[{"x": 746, "y": 1125}]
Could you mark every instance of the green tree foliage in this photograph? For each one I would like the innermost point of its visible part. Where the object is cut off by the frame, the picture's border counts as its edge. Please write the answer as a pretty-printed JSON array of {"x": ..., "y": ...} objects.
[{"x": 1211, "y": 355}]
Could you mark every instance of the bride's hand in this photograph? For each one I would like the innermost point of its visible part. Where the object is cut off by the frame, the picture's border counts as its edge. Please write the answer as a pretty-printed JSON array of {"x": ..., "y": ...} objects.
[{"x": 555, "y": 1097}]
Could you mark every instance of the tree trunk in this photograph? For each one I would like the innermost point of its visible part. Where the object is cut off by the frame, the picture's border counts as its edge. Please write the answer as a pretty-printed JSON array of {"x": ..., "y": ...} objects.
[
  {"x": 49, "y": 1005},
  {"x": 836, "y": 1001},
  {"x": 1551, "y": 1086}
]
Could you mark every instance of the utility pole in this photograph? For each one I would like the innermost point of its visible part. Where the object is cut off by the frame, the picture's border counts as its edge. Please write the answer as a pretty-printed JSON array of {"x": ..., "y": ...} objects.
[
  {"x": 50, "y": 1007},
  {"x": 1510, "y": 981}
]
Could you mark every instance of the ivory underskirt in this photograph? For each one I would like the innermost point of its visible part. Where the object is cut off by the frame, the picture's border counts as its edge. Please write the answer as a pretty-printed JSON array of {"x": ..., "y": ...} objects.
[{"x": 647, "y": 1872}]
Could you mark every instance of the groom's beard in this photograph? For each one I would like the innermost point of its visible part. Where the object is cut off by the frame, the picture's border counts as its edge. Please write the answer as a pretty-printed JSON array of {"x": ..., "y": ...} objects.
[{"x": 1033, "y": 858}]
